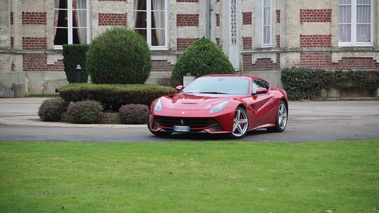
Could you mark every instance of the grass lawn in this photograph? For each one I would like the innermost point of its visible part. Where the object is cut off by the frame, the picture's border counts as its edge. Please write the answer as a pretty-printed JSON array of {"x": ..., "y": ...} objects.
[{"x": 189, "y": 177}]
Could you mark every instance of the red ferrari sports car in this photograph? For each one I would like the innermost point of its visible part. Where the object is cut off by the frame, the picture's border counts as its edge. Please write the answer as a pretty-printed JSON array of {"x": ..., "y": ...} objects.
[{"x": 220, "y": 104}]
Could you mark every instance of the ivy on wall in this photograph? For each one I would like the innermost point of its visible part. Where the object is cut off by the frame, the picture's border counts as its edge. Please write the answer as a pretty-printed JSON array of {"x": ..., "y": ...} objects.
[{"x": 301, "y": 83}]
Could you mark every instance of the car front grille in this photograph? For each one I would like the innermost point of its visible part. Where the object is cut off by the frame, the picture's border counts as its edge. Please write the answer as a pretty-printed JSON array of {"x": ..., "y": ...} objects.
[{"x": 192, "y": 122}]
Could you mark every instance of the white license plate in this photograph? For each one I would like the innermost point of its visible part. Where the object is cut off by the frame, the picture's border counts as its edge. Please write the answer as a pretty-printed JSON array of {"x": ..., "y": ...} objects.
[{"x": 181, "y": 128}]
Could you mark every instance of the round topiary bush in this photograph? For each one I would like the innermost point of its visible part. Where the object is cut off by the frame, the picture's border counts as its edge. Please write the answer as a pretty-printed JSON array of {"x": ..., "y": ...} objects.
[
  {"x": 133, "y": 113},
  {"x": 119, "y": 56},
  {"x": 84, "y": 112},
  {"x": 51, "y": 109},
  {"x": 200, "y": 58}
]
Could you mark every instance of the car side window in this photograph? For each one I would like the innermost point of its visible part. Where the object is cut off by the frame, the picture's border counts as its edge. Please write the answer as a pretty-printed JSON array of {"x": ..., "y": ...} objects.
[
  {"x": 266, "y": 84},
  {"x": 258, "y": 83}
]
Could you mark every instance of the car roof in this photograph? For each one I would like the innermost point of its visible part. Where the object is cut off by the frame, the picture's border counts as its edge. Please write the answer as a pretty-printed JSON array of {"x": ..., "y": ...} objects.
[{"x": 231, "y": 75}]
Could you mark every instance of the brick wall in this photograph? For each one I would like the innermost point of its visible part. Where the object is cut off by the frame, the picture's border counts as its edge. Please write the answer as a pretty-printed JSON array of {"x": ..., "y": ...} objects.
[
  {"x": 315, "y": 60},
  {"x": 161, "y": 65},
  {"x": 217, "y": 20},
  {"x": 247, "y": 43},
  {"x": 33, "y": 17},
  {"x": 247, "y": 18},
  {"x": 315, "y": 15},
  {"x": 187, "y": 0},
  {"x": 37, "y": 62},
  {"x": 323, "y": 60},
  {"x": 183, "y": 43},
  {"x": 33, "y": 43},
  {"x": 262, "y": 64},
  {"x": 218, "y": 41},
  {"x": 187, "y": 20},
  {"x": 315, "y": 40},
  {"x": 364, "y": 63},
  {"x": 112, "y": 19}
]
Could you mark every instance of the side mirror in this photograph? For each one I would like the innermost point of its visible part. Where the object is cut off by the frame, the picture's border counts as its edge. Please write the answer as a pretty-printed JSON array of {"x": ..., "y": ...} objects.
[
  {"x": 260, "y": 90},
  {"x": 179, "y": 88}
]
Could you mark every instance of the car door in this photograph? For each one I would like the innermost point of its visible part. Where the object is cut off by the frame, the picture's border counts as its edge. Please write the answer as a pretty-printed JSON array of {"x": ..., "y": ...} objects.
[{"x": 261, "y": 102}]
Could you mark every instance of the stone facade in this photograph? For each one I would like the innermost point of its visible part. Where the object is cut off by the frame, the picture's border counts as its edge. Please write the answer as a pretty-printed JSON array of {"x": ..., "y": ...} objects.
[{"x": 304, "y": 34}]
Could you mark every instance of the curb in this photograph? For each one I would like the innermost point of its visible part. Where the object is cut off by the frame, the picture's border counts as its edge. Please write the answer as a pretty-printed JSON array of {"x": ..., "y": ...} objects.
[{"x": 35, "y": 121}]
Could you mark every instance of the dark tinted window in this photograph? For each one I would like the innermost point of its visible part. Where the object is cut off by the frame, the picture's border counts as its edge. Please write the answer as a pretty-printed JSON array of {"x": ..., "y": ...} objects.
[{"x": 259, "y": 83}]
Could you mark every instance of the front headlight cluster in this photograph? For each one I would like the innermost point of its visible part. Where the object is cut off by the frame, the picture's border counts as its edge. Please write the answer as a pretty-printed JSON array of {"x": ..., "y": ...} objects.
[
  {"x": 158, "y": 106},
  {"x": 219, "y": 107}
]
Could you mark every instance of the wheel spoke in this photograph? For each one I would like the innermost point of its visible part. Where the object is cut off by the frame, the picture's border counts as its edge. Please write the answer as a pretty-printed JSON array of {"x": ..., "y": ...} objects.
[
  {"x": 238, "y": 114},
  {"x": 235, "y": 126},
  {"x": 239, "y": 129},
  {"x": 243, "y": 121}
]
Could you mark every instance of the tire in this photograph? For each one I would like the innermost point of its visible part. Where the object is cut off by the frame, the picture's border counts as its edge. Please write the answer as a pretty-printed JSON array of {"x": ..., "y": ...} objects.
[
  {"x": 281, "y": 118},
  {"x": 240, "y": 124}
]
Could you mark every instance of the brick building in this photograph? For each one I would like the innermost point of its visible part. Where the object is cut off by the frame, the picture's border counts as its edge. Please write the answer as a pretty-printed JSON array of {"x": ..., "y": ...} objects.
[{"x": 260, "y": 37}]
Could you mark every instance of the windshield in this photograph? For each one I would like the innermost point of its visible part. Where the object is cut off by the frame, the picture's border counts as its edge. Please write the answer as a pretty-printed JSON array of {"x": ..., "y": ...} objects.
[{"x": 219, "y": 85}]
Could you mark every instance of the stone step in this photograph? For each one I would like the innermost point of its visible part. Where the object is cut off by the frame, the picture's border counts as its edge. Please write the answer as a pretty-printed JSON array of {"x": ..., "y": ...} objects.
[{"x": 6, "y": 93}]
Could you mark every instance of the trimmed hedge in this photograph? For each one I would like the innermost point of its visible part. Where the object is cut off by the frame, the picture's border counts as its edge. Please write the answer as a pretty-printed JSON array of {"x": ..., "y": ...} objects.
[
  {"x": 84, "y": 112},
  {"x": 51, "y": 109},
  {"x": 75, "y": 54},
  {"x": 119, "y": 56},
  {"x": 200, "y": 58},
  {"x": 134, "y": 113},
  {"x": 113, "y": 96},
  {"x": 307, "y": 83}
]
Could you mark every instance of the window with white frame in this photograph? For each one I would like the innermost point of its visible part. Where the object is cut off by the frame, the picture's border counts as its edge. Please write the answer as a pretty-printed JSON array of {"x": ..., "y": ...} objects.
[
  {"x": 355, "y": 22},
  {"x": 266, "y": 23},
  {"x": 71, "y": 22},
  {"x": 151, "y": 21}
]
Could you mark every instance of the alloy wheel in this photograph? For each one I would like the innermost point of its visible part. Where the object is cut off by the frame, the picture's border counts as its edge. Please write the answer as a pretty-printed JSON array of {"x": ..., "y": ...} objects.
[{"x": 240, "y": 124}]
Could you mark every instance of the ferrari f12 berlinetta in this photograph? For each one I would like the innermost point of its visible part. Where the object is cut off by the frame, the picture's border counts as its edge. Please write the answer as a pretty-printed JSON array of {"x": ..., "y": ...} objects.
[{"x": 220, "y": 104}]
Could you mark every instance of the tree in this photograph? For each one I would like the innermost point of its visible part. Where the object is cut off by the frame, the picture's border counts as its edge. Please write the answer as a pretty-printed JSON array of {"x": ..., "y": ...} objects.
[{"x": 200, "y": 58}]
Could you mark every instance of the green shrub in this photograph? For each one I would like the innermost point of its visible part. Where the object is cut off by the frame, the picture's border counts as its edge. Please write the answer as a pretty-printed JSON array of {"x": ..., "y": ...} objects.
[
  {"x": 134, "y": 113},
  {"x": 113, "y": 96},
  {"x": 75, "y": 54},
  {"x": 200, "y": 58},
  {"x": 51, "y": 109},
  {"x": 84, "y": 112},
  {"x": 119, "y": 56},
  {"x": 302, "y": 83}
]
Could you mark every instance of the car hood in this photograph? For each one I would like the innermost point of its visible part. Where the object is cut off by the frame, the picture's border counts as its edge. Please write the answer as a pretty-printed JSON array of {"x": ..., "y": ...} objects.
[{"x": 192, "y": 102}]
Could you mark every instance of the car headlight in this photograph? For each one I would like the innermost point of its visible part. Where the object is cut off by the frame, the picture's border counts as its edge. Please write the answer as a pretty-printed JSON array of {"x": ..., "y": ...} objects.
[
  {"x": 219, "y": 107},
  {"x": 158, "y": 106}
]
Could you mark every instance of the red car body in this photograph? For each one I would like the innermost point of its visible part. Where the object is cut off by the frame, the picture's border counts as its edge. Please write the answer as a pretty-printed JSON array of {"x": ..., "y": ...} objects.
[{"x": 251, "y": 103}]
